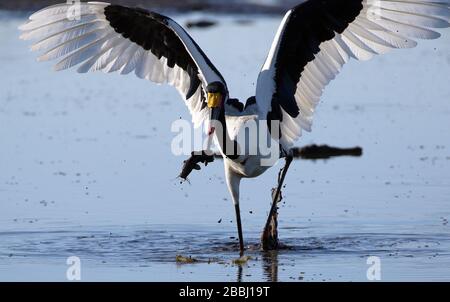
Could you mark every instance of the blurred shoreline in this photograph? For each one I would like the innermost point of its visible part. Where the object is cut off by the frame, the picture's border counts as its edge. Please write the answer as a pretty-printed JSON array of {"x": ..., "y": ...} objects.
[{"x": 273, "y": 7}]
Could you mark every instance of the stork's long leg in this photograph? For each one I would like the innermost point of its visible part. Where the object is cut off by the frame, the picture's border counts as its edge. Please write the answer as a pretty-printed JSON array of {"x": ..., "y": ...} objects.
[
  {"x": 233, "y": 182},
  {"x": 239, "y": 227},
  {"x": 269, "y": 243}
]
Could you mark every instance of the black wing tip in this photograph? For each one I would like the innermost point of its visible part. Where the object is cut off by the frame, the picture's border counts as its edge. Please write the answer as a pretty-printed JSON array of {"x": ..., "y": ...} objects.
[
  {"x": 115, "y": 9},
  {"x": 154, "y": 32}
]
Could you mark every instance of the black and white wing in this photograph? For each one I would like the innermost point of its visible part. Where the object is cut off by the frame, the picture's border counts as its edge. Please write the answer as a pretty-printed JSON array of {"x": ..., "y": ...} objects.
[
  {"x": 99, "y": 36},
  {"x": 317, "y": 37}
]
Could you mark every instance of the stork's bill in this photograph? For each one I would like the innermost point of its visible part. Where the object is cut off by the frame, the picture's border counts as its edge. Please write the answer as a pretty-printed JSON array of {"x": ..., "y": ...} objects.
[
  {"x": 214, "y": 99},
  {"x": 214, "y": 102}
]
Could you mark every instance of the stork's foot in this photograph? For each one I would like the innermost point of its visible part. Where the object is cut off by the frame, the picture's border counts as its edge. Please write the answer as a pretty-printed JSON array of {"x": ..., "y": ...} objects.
[{"x": 193, "y": 163}]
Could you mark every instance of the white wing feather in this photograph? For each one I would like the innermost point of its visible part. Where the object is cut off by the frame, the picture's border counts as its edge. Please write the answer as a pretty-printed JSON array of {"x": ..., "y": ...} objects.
[
  {"x": 382, "y": 25},
  {"x": 90, "y": 41}
]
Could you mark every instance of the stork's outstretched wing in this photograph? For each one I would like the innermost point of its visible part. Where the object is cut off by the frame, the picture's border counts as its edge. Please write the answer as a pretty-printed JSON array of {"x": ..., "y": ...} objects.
[
  {"x": 317, "y": 37},
  {"x": 100, "y": 36}
]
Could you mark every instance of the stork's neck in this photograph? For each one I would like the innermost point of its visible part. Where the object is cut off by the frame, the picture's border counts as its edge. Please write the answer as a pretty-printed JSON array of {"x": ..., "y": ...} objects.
[{"x": 228, "y": 146}]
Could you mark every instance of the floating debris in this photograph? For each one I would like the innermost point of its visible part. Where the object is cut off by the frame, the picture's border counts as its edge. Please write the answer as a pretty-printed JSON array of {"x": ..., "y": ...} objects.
[
  {"x": 182, "y": 259},
  {"x": 242, "y": 260}
]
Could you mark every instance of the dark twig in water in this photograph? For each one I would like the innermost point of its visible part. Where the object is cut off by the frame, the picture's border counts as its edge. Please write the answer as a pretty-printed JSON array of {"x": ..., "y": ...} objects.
[
  {"x": 200, "y": 24},
  {"x": 324, "y": 152}
]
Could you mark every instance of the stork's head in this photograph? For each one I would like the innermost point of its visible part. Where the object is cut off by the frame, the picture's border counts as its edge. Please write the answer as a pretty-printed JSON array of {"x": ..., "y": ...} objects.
[
  {"x": 216, "y": 98},
  {"x": 216, "y": 94}
]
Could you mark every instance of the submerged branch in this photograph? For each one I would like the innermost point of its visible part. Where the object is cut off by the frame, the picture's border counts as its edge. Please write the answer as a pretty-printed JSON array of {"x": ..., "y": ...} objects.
[{"x": 314, "y": 152}]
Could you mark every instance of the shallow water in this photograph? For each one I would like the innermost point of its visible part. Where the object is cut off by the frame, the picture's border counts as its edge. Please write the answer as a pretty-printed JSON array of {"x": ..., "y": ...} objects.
[
  {"x": 148, "y": 253},
  {"x": 86, "y": 170}
]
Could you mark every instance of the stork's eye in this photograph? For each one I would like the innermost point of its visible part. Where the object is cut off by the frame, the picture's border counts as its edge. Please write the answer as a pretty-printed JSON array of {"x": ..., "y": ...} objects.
[{"x": 214, "y": 99}]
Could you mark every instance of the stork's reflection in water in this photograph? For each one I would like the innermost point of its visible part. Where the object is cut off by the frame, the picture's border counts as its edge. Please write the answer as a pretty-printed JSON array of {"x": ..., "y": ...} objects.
[{"x": 269, "y": 266}]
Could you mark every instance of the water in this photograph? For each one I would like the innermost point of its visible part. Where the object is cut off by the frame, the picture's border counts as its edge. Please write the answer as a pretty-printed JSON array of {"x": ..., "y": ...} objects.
[
  {"x": 86, "y": 170},
  {"x": 148, "y": 253}
]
